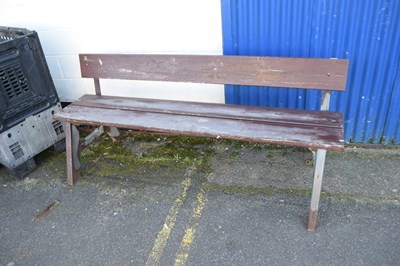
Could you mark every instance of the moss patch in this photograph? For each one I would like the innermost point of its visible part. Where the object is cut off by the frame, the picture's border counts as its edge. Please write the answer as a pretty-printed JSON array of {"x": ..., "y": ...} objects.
[
  {"x": 138, "y": 154},
  {"x": 254, "y": 190},
  {"x": 269, "y": 191}
]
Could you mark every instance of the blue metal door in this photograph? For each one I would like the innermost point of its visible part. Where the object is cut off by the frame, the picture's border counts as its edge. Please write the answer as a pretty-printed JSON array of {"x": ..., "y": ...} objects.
[{"x": 364, "y": 31}]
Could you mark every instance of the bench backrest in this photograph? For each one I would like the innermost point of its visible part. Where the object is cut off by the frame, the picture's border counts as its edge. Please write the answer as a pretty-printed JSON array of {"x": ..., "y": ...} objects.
[{"x": 306, "y": 73}]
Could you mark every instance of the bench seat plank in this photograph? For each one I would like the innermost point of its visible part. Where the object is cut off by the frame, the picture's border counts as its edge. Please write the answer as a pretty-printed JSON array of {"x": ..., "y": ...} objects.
[
  {"x": 285, "y": 127},
  {"x": 254, "y": 113}
]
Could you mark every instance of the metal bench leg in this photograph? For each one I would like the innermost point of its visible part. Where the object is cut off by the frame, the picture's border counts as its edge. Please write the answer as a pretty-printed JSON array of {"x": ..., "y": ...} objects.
[
  {"x": 113, "y": 133},
  {"x": 73, "y": 153},
  {"x": 319, "y": 163}
]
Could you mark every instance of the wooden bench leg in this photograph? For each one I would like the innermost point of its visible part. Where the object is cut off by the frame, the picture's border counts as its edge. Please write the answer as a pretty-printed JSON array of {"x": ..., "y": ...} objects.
[
  {"x": 73, "y": 153},
  {"x": 319, "y": 163}
]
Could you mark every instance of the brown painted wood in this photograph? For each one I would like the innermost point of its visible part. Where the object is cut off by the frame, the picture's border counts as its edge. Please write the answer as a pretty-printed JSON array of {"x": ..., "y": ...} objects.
[
  {"x": 227, "y": 128},
  {"x": 228, "y": 111},
  {"x": 72, "y": 153},
  {"x": 307, "y": 73}
]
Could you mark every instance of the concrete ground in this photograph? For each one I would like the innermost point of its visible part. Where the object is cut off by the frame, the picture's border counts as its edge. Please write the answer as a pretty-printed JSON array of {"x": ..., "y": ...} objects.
[{"x": 156, "y": 200}]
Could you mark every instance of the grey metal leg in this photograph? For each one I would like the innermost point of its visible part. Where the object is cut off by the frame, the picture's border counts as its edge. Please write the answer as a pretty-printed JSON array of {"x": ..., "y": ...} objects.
[
  {"x": 113, "y": 132},
  {"x": 319, "y": 163},
  {"x": 92, "y": 136},
  {"x": 73, "y": 153}
]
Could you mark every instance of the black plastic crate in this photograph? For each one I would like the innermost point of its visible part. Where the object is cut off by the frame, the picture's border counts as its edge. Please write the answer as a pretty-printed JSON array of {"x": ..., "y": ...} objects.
[{"x": 26, "y": 87}]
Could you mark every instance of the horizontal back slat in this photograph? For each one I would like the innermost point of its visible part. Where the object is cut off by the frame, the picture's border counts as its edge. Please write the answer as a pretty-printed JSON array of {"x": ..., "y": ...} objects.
[{"x": 307, "y": 73}]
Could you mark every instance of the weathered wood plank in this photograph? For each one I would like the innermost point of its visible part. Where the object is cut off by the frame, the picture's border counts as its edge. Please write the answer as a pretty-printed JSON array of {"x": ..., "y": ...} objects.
[
  {"x": 257, "y": 131},
  {"x": 253, "y": 113},
  {"x": 307, "y": 73}
]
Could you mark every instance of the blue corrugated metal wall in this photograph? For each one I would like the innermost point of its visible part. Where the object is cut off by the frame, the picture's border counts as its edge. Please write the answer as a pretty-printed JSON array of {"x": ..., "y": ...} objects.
[{"x": 365, "y": 31}]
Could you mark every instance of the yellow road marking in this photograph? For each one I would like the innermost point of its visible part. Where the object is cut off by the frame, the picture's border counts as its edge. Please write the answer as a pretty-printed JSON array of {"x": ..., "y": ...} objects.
[
  {"x": 163, "y": 235},
  {"x": 183, "y": 251}
]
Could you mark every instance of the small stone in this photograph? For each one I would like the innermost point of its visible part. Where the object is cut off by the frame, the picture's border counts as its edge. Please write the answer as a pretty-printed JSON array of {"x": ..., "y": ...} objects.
[{"x": 395, "y": 190}]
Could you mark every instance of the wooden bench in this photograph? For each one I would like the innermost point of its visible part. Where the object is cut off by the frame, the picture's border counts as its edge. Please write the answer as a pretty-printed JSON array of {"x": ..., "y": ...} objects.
[{"x": 318, "y": 130}]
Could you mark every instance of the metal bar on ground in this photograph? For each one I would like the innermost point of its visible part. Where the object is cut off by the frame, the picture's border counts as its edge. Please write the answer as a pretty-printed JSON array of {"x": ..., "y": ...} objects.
[{"x": 46, "y": 211}]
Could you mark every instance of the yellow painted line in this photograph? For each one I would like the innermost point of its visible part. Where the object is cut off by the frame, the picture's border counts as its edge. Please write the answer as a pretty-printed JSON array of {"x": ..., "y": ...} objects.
[
  {"x": 163, "y": 235},
  {"x": 187, "y": 240}
]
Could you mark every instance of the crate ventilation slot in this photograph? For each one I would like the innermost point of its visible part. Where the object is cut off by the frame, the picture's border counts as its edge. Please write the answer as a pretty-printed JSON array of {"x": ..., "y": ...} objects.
[
  {"x": 6, "y": 38},
  {"x": 14, "y": 81},
  {"x": 16, "y": 150},
  {"x": 58, "y": 127}
]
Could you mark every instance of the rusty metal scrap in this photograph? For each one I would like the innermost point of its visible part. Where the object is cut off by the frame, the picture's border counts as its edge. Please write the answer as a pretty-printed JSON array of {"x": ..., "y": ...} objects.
[{"x": 46, "y": 211}]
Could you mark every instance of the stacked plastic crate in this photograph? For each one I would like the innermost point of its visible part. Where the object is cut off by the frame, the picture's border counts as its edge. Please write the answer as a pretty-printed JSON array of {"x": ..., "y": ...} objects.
[{"x": 28, "y": 100}]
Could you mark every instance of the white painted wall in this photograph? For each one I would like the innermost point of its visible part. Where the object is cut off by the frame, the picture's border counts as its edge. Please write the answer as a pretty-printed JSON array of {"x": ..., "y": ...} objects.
[{"x": 69, "y": 27}]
